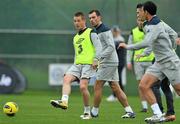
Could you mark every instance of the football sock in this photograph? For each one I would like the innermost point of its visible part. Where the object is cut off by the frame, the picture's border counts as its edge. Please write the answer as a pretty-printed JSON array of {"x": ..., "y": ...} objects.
[
  {"x": 65, "y": 98},
  {"x": 156, "y": 109},
  {"x": 95, "y": 111},
  {"x": 128, "y": 109},
  {"x": 87, "y": 109},
  {"x": 144, "y": 104}
]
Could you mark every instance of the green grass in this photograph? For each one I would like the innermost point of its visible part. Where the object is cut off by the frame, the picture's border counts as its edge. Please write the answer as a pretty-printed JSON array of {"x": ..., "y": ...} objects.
[{"x": 34, "y": 108}]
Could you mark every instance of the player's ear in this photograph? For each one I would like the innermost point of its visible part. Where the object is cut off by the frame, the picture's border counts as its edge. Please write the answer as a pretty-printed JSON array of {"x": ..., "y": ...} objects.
[
  {"x": 100, "y": 18},
  {"x": 145, "y": 12}
]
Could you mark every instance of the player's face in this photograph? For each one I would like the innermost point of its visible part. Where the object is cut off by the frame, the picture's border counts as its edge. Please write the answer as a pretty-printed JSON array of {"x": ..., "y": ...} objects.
[
  {"x": 139, "y": 23},
  {"x": 94, "y": 19},
  {"x": 79, "y": 22},
  {"x": 140, "y": 14},
  {"x": 145, "y": 14}
]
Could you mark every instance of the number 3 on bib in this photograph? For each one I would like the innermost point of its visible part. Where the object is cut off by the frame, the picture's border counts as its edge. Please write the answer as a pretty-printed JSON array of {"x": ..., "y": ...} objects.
[{"x": 80, "y": 49}]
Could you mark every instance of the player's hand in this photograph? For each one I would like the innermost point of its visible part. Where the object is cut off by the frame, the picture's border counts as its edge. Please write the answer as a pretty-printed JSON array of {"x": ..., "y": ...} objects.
[
  {"x": 178, "y": 41},
  {"x": 138, "y": 56},
  {"x": 122, "y": 45},
  {"x": 129, "y": 66},
  {"x": 95, "y": 64}
]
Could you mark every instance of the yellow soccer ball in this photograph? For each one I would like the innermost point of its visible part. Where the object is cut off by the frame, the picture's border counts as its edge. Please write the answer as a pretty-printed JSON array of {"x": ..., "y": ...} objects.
[{"x": 10, "y": 108}]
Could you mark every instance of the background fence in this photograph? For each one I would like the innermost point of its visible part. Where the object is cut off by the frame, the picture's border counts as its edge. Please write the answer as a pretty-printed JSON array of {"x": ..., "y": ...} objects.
[{"x": 35, "y": 33}]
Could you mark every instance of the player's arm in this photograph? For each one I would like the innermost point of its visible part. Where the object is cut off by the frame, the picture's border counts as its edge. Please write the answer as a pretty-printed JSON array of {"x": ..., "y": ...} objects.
[
  {"x": 172, "y": 34},
  {"x": 98, "y": 48},
  {"x": 108, "y": 39},
  {"x": 151, "y": 35},
  {"x": 97, "y": 44},
  {"x": 147, "y": 51},
  {"x": 129, "y": 53}
]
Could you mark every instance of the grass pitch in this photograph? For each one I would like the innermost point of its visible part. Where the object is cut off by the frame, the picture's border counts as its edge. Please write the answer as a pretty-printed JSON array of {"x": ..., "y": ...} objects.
[{"x": 34, "y": 108}]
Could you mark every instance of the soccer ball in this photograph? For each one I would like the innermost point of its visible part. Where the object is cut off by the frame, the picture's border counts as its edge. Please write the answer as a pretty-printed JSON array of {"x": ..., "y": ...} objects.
[{"x": 10, "y": 108}]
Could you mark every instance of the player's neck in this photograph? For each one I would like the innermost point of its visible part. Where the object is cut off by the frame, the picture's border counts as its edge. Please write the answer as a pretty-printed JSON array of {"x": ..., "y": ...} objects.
[
  {"x": 98, "y": 24},
  {"x": 149, "y": 17},
  {"x": 82, "y": 29}
]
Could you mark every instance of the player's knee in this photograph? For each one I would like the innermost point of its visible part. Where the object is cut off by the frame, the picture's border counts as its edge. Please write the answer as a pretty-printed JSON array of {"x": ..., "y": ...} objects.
[
  {"x": 98, "y": 85},
  {"x": 114, "y": 87},
  {"x": 83, "y": 88},
  {"x": 67, "y": 80},
  {"x": 142, "y": 87}
]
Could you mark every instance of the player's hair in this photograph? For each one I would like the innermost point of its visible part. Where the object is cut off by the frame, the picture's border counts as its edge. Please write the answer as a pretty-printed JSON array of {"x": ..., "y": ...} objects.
[
  {"x": 139, "y": 5},
  {"x": 96, "y": 11},
  {"x": 150, "y": 7},
  {"x": 77, "y": 14}
]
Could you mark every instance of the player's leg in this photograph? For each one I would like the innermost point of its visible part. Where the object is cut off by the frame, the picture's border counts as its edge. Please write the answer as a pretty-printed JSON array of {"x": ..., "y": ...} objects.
[
  {"x": 71, "y": 75},
  {"x": 139, "y": 70},
  {"x": 113, "y": 78},
  {"x": 84, "y": 91},
  {"x": 119, "y": 93},
  {"x": 121, "y": 96},
  {"x": 152, "y": 75},
  {"x": 110, "y": 74},
  {"x": 103, "y": 74},
  {"x": 177, "y": 88},
  {"x": 85, "y": 95},
  {"x": 86, "y": 72},
  {"x": 170, "y": 114},
  {"x": 113, "y": 97},
  {"x": 145, "y": 86},
  {"x": 120, "y": 69},
  {"x": 143, "y": 100},
  {"x": 97, "y": 97},
  {"x": 172, "y": 71},
  {"x": 156, "y": 91},
  {"x": 66, "y": 89}
]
